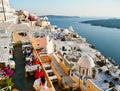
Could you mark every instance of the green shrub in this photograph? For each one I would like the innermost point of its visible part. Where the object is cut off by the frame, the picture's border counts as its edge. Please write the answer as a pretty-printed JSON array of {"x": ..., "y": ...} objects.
[
  {"x": 100, "y": 63},
  {"x": 6, "y": 82}
]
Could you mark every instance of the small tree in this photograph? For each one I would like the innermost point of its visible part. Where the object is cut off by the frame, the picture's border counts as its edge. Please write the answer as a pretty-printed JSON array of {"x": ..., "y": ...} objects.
[
  {"x": 93, "y": 72},
  {"x": 101, "y": 63}
]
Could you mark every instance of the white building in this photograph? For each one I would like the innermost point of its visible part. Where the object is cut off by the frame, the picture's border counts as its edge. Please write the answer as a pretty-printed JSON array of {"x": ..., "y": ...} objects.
[
  {"x": 85, "y": 65},
  {"x": 43, "y": 22},
  {"x": 6, "y": 6},
  {"x": 8, "y": 12},
  {"x": 66, "y": 47},
  {"x": 6, "y": 43}
]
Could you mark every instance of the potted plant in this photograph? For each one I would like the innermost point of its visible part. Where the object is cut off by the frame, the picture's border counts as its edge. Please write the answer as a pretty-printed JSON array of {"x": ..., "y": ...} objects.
[
  {"x": 99, "y": 70},
  {"x": 105, "y": 81},
  {"x": 6, "y": 80},
  {"x": 6, "y": 83},
  {"x": 119, "y": 75},
  {"x": 111, "y": 84},
  {"x": 93, "y": 73}
]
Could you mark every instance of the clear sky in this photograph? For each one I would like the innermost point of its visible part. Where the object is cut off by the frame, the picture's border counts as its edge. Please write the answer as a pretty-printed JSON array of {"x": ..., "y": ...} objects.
[{"x": 110, "y": 8}]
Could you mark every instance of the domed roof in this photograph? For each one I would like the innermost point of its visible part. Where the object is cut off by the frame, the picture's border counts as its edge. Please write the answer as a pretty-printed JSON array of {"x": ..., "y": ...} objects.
[{"x": 86, "y": 62}]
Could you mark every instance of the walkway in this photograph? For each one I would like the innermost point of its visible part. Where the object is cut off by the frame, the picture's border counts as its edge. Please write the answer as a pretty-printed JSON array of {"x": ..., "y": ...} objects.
[
  {"x": 57, "y": 67},
  {"x": 60, "y": 71},
  {"x": 21, "y": 83}
]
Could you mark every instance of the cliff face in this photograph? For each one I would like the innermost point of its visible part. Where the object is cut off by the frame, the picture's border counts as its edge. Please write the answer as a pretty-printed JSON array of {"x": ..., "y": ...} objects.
[{"x": 111, "y": 23}]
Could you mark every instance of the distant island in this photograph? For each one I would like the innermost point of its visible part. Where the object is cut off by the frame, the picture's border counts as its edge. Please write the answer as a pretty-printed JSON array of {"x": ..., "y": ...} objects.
[
  {"x": 59, "y": 16},
  {"x": 111, "y": 23}
]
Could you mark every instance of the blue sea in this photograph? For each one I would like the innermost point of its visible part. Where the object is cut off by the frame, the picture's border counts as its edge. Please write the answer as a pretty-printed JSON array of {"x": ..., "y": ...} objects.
[{"x": 106, "y": 40}]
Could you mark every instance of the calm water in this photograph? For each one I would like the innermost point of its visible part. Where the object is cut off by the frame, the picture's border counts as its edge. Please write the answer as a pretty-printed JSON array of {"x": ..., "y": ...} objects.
[{"x": 106, "y": 40}]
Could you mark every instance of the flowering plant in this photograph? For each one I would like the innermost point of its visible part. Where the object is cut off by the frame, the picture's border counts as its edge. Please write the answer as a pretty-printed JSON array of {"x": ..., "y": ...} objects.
[
  {"x": 6, "y": 72},
  {"x": 5, "y": 77}
]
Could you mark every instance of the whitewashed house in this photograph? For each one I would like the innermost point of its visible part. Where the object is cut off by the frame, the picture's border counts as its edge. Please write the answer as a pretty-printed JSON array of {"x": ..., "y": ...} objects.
[{"x": 6, "y": 46}]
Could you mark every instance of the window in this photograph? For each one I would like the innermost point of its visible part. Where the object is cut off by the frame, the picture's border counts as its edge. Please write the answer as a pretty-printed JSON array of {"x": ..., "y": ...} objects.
[
  {"x": 63, "y": 48},
  {"x": 2, "y": 31},
  {"x": 74, "y": 48},
  {"x": 22, "y": 34},
  {"x": 38, "y": 46},
  {"x": 83, "y": 71},
  {"x": 80, "y": 70}
]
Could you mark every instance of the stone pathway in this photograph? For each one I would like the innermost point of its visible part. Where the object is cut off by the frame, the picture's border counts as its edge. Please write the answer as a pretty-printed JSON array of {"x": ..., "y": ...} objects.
[
  {"x": 60, "y": 71},
  {"x": 20, "y": 82}
]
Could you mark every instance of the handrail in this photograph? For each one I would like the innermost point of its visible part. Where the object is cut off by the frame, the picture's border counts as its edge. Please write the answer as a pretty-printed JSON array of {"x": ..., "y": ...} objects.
[
  {"x": 47, "y": 77},
  {"x": 55, "y": 72}
]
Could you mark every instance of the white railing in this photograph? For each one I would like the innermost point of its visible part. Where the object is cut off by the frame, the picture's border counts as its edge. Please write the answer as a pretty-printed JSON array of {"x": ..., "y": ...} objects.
[{"x": 8, "y": 88}]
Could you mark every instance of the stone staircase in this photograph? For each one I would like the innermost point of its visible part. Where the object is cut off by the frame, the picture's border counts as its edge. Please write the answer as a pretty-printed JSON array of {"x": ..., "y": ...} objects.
[{"x": 50, "y": 73}]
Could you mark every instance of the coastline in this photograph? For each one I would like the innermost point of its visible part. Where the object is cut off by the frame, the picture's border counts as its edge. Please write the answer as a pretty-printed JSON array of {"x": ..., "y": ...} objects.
[
  {"x": 62, "y": 55},
  {"x": 87, "y": 31}
]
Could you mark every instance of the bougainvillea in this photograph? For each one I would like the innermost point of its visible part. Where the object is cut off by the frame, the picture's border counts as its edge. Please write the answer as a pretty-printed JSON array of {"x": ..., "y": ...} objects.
[{"x": 6, "y": 72}]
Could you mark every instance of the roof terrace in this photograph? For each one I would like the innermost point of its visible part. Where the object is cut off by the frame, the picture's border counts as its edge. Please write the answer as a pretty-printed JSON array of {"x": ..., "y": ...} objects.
[{"x": 106, "y": 80}]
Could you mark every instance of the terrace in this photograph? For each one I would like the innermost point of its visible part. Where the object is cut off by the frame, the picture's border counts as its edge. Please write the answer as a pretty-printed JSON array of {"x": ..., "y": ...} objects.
[
  {"x": 4, "y": 50},
  {"x": 106, "y": 80}
]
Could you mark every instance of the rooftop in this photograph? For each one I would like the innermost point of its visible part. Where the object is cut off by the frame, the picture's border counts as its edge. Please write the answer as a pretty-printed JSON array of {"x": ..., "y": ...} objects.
[{"x": 102, "y": 80}]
